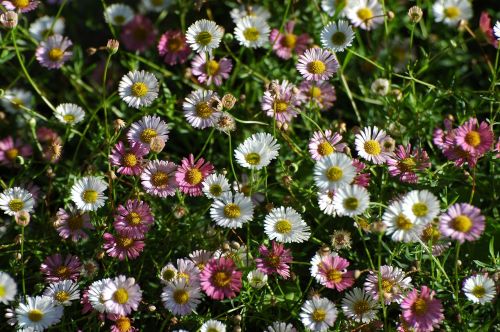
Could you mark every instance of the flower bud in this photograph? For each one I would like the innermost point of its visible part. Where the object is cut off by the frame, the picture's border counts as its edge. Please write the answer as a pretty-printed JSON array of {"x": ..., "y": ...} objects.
[
  {"x": 112, "y": 46},
  {"x": 157, "y": 144},
  {"x": 22, "y": 218},
  {"x": 9, "y": 19},
  {"x": 415, "y": 14}
]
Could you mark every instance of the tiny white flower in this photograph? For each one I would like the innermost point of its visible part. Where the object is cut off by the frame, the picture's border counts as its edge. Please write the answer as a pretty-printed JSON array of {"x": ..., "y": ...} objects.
[
  {"x": 204, "y": 36},
  {"x": 215, "y": 185},
  {"x": 70, "y": 114},
  {"x": 451, "y": 12},
  {"x": 138, "y": 88},
  {"x": 380, "y": 86},
  {"x": 254, "y": 10},
  {"x": 359, "y": 306},
  {"x": 318, "y": 314},
  {"x": 400, "y": 226},
  {"x": 148, "y": 127},
  {"x": 351, "y": 200},
  {"x": 14, "y": 200},
  {"x": 284, "y": 224},
  {"x": 325, "y": 202},
  {"x": 337, "y": 36},
  {"x": 198, "y": 109},
  {"x": 281, "y": 327},
  {"x": 232, "y": 211},
  {"x": 45, "y": 26},
  {"x": 257, "y": 151},
  {"x": 252, "y": 31},
  {"x": 480, "y": 289},
  {"x": 118, "y": 14},
  {"x": 331, "y": 6},
  {"x": 496, "y": 30},
  {"x": 95, "y": 294},
  {"x": 121, "y": 295},
  {"x": 63, "y": 292},
  {"x": 180, "y": 298},
  {"x": 366, "y": 14},
  {"x": 38, "y": 313},
  {"x": 421, "y": 206},
  {"x": 257, "y": 279},
  {"x": 369, "y": 145},
  {"x": 8, "y": 288},
  {"x": 87, "y": 193},
  {"x": 213, "y": 325},
  {"x": 14, "y": 99},
  {"x": 334, "y": 171}
]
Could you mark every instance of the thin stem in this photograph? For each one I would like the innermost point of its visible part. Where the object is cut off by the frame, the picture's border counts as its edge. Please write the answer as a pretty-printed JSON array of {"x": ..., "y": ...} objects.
[{"x": 22, "y": 260}]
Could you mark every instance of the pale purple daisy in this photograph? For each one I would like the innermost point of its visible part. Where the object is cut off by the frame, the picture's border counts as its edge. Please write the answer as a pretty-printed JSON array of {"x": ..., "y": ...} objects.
[
  {"x": 281, "y": 101},
  {"x": 220, "y": 279},
  {"x": 393, "y": 284},
  {"x": 158, "y": 178},
  {"x": 55, "y": 268},
  {"x": 173, "y": 47},
  {"x": 190, "y": 175},
  {"x": 211, "y": 71},
  {"x": 200, "y": 258},
  {"x": 317, "y": 64},
  {"x": 53, "y": 52},
  {"x": 180, "y": 297},
  {"x": 462, "y": 222},
  {"x": 133, "y": 219},
  {"x": 10, "y": 149},
  {"x": 369, "y": 145},
  {"x": 324, "y": 144},
  {"x": 405, "y": 162},
  {"x": 121, "y": 246},
  {"x": 274, "y": 260},
  {"x": 188, "y": 271},
  {"x": 22, "y": 6},
  {"x": 128, "y": 160},
  {"x": 72, "y": 224},
  {"x": 422, "y": 312},
  {"x": 121, "y": 295},
  {"x": 147, "y": 128},
  {"x": 320, "y": 93},
  {"x": 473, "y": 137},
  {"x": 284, "y": 44}
]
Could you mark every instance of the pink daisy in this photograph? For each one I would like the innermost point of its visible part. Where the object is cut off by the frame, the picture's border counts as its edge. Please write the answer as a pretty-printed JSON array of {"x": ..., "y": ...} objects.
[
  {"x": 361, "y": 179},
  {"x": 128, "y": 160},
  {"x": 72, "y": 224},
  {"x": 422, "y": 312},
  {"x": 317, "y": 64},
  {"x": 120, "y": 246},
  {"x": 10, "y": 149},
  {"x": 213, "y": 71},
  {"x": 486, "y": 27},
  {"x": 173, "y": 47},
  {"x": 405, "y": 162},
  {"x": 474, "y": 138},
  {"x": 23, "y": 6},
  {"x": 158, "y": 178},
  {"x": 275, "y": 260},
  {"x": 288, "y": 42},
  {"x": 190, "y": 175},
  {"x": 462, "y": 222},
  {"x": 138, "y": 34},
  {"x": 321, "y": 145},
  {"x": 220, "y": 279},
  {"x": 320, "y": 93},
  {"x": 333, "y": 274},
  {"x": 133, "y": 219},
  {"x": 281, "y": 101},
  {"x": 53, "y": 52},
  {"x": 56, "y": 269}
]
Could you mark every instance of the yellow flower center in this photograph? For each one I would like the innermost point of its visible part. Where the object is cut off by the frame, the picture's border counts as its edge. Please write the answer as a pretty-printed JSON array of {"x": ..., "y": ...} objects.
[
  {"x": 251, "y": 34},
  {"x": 283, "y": 226},
  {"x": 212, "y": 67},
  {"x": 193, "y": 176},
  {"x": 75, "y": 222},
  {"x": 120, "y": 295},
  {"x": 407, "y": 164},
  {"x": 351, "y": 203},
  {"x": 325, "y": 149},
  {"x": 204, "y": 38},
  {"x": 119, "y": 19},
  {"x": 387, "y": 286},
  {"x": 361, "y": 307},
  {"x": 334, "y": 275},
  {"x": 334, "y": 173},
  {"x": 364, "y": 14},
  {"x": 232, "y": 210},
  {"x": 89, "y": 196},
  {"x": 280, "y": 106},
  {"x": 420, "y": 307},
  {"x": 402, "y": 222},
  {"x": 63, "y": 272},
  {"x": 168, "y": 274},
  {"x": 431, "y": 233},
  {"x": 56, "y": 54},
  {"x": 35, "y": 315},
  {"x": 181, "y": 296},
  {"x": 253, "y": 158},
  {"x": 20, "y": 3},
  {"x": 316, "y": 67},
  {"x": 318, "y": 315},
  {"x": 183, "y": 275},
  {"x": 338, "y": 38},
  {"x": 273, "y": 260},
  {"x": 159, "y": 179},
  {"x": 203, "y": 110},
  {"x": 16, "y": 205},
  {"x": 452, "y": 12},
  {"x": 221, "y": 279},
  {"x": 478, "y": 291},
  {"x": 124, "y": 242},
  {"x": 133, "y": 218},
  {"x": 473, "y": 138},
  {"x": 123, "y": 324},
  {"x": 289, "y": 40},
  {"x": 61, "y": 296},
  {"x": 129, "y": 160},
  {"x": 420, "y": 209},
  {"x": 174, "y": 44},
  {"x": 12, "y": 154},
  {"x": 461, "y": 223},
  {"x": 2, "y": 291},
  {"x": 215, "y": 190},
  {"x": 148, "y": 134},
  {"x": 315, "y": 92},
  {"x": 69, "y": 118},
  {"x": 139, "y": 89},
  {"x": 372, "y": 147}
]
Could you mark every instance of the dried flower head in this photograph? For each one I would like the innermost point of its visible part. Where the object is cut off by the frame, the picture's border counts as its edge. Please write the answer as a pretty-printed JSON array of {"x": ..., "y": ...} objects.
[{"x": 415, "y": 14}]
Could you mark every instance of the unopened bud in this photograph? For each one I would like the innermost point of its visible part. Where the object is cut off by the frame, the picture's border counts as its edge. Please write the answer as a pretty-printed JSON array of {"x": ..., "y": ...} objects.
[
  {"x": 119, "y": 124},
  {"x": 157, "y": 144},
  {"x": 9, "y": 19},
  {"x": 415, "y": 14},
  {"x": 357, "y": 274},
  {"x": 112, "y": 46},
  {"x": 226, "y": 246},
  {"x": 228, "y": 101},
  {"x": 151, "y": 308},
  {"x": 390, "y": 15},
  {"x": 235, "y": 245},
  {"x": 22, "y": 218}
]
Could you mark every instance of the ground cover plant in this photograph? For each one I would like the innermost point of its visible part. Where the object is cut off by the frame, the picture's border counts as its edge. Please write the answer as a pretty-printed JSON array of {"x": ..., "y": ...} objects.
[{"x": 317, "y": 165}]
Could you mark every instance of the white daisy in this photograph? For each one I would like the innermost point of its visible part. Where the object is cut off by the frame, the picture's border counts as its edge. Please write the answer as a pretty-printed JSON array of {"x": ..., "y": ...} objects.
[
  {"x": 401, "y": 227},
  {"x": 232, "y": 211},
  {"x": 213, "y": 325},
  {"x": 369, "y": 145},
  {"x": 180, "y": 298},
  {"x": 351, "y": 200},
  {"x": 198, "y": 109},
  {"x": 252, "y": 31},
  {"x": 45, "y": 26},
  {"x": 14, "y": 99},
  {"x": 215, "y": 185},
  {"x": 325, "y": 202},
  {"x": 480, "y": 289},
  {"x": 366, "y": 14},
  {"x": 257, "y": 151},
  {"x": 118, "y": 14},
  {"x": 284, "y": 224},
  {"x": 69, "y": 113},
  {"x": 63, "y": 292},
  {"x": 121, "y": 295},
  {"x": 87, "y": 193},
  {"x": 334, "y": 171},
  {"x": 144, "y": 130},
  {"x": 95, "y": 296},
  {"x": 38, "y": 313},
  {"x": 204, "y": 36},
  {"x": 138, "y": 88},
  {"x": 451, "y": 12},
  {"x": 257, "y": 279},
  {"x": 496, "y": 30},
  {"x": 16, "y": 199},
  {"x": 254, "y": 10},
  {"x": 156, "y": 5},
  {"x": 421, "y": 206},
  {"x": 337, "y": 36},
  {"x": 8, "y": 288},
  {"x": 359, "y": 306},
  {"x": 168, "y": 273},
  {"x": 281, "y": 327},
  {"x": 318, "y": 314},
  {"x": 330, "y": 6}
]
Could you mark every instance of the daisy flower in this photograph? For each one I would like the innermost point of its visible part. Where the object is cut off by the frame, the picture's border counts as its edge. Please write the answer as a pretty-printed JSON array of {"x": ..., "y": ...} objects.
[
  {"x": 422, "y": 312},
  {"x": 400, "y": 226},
  {"x": 190, "y": 175},
  {"x": 462, "y": 222},
  {"x": 252, "y": 31},
  {"x": 121, "y": 246},
  {"x": 156, "y": 5},
  {"x": 249, "y": 10},
  {"x": 215, "y": 185},
  {"x": 204, "y": 36},
  {"x": 55, "y": 268},
  {"x": 158, "y": 178},
  {"x": 14, "y": 200},
  {"x": 451, "y": 12},
  {"x": 317, "y": 64},
  {"x": 87, "y": 193},
  {"x": 366, "y": 14},
  {"x": 473, "y": 137},
  {"x": 200, "y": 258},
  {"x": 188, "y": 271},
  {"x": 393, "y": 284},
  {"x": 318, "y": 314},
  {"x": 331, "y": 6},
  {"x": 257, "y": 151},
  {"x": 257, "y": 279},
  {"x": 220, "y": 279},
  {"x": 134, "y": 219},
  {"x": 337, "y": 36},
  {"x": 274, "y": 260},
  {"x": 72, "y": 224},
  {"x": 351, "y": 200},
  {"x": 325, "y": 202},
  {"x": 198, "y": 109},
  {"x": 211, "y": 71},
  {"x": 147, "y": 128},
  {"x": 321, "y": 94},
  {"x": 180, "y": 298},
  {"x": 421, "y": 206},
  {"x": 333, "y": 171},
  {"x": 118, "y": 14},
  {"x": 8, "y": 288},
  {"x": 11, "y": 148},
  {"x": 122, "y": 323},
  {"x": 405, "y": 162},
  {"x": 496, "y": 30},
  {"x": 173, "y": 48},
  {"x": 332, "y": 272},
  {"x": 53, "y": 52},
  {"x": 38, "y": 313},
  {"x": 231, "y": 211},
  {"x": 63, "y": 292},
  {"x": 46, "y": 26},
  {"x": 22, "y": 6},
  {"x": 213, "y": 325},
  {"x": 284, "y": 44},
  {"x": 359, "y": 306},
  {"x": 281, "y": 101},
  {"x": 70, "y": 114},
  {"x": 369, "y": 145},
  {"x": 168, "y": 273},
  {"x": 139, "y": 34},
  {"x": 138, "y": 88},
  {"x": 121, "y": 295},
  {"x": 95, "y": 294},
  {"x": 284, "y": 224},
  {"x": 281, "y": 327},
  {"x": 128, "y": 159},
  {"x": 480, "y": 289},
  {"x": 325, "y": 144},
  {"x": 14, "y": 99}
]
